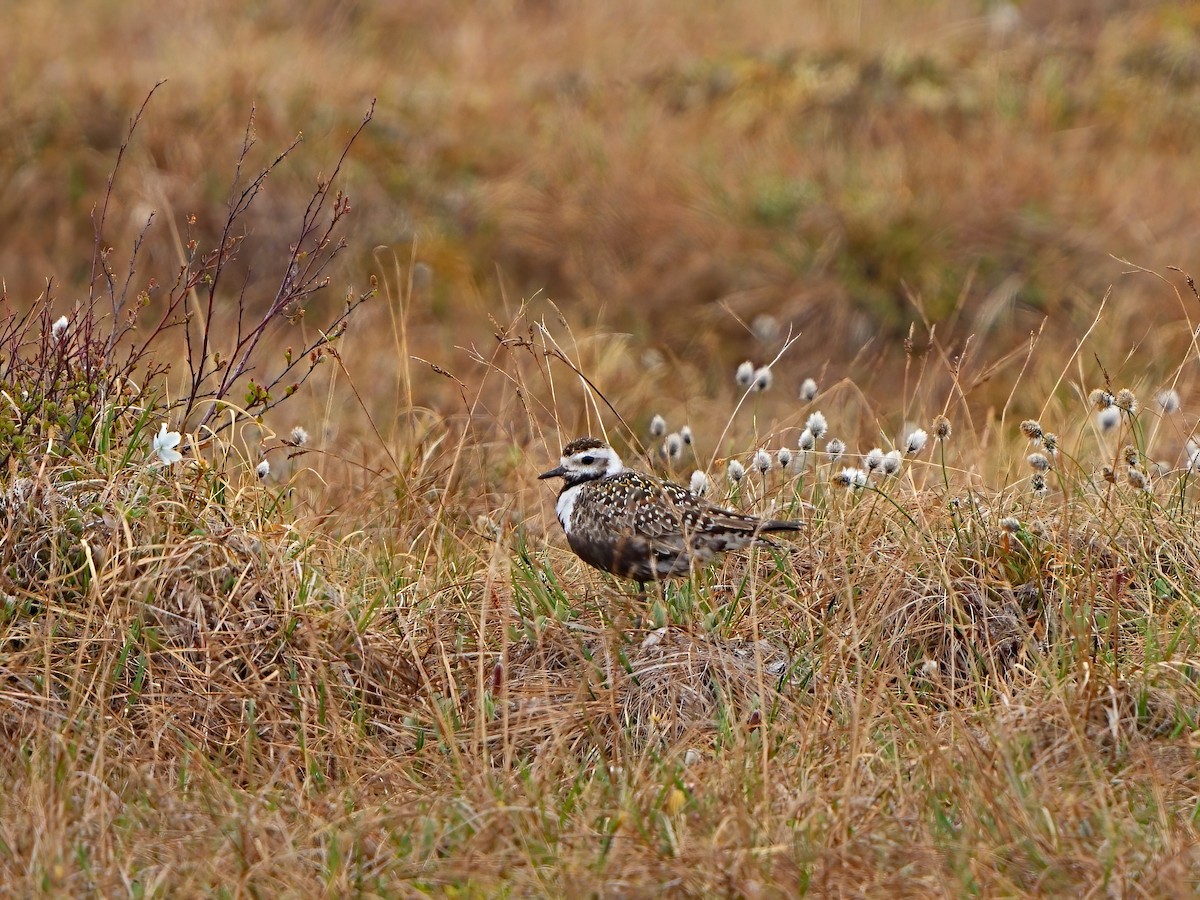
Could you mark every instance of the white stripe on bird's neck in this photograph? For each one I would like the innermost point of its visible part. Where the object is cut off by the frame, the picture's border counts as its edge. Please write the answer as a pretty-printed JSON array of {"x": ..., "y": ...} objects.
[{"x": 566, "y": 505}]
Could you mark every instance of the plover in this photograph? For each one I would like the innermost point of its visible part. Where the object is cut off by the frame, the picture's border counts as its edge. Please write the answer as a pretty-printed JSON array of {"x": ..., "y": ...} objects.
[{"x": 640, "y": 527}]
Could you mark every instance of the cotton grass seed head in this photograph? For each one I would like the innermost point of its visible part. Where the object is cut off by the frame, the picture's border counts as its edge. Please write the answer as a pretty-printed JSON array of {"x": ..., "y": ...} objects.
[
  {"x": 1032, "y": 429},
  {"x": 1100, "y": 399},
  {"x": 915, "y": 442},
  {"x": 658, "y": 426},
  {"x": 1050, "y": 442},
  {"x": 699, "y": 483},
  {"x": 745, "y": 374},
  {"x": 1039, "y": 462},
  {"x": 941, "y": 428},
  {"x": 765, "y": 327},
  {"x": 1138, "y": 479},
  {"x": 817, "y": 425},
  {"x": 808, "y": 389},
  {"x": 891, "y": 462},
  {"x": 299, "y": 436},
  {"x": 1126, "y": 400},
  {"x": 1131, "y": 455},
  {"x": 673, "y": 445},
  {"x": 874, "y": 459},
  {"x": 1108, "y": 418},
  {"x": 784, "y": 457},
  {"x": 1037, "y": 484},
  {"x": 762, "y": 461},
  {"x": 736, "y": 471},
  {"x": 807, "y": 440},
  {"x": 59, "y": 328},
  {"x": 1168, "y": 401},
  {"x": 1010, "y": 524},
  {"x": 263, "y": 469},
  {"x": 851, "y": 477},
  {"x": 835, "y": 450},
  {"x": 763, "y": 379},
  {"x": 686, "y": 433}
]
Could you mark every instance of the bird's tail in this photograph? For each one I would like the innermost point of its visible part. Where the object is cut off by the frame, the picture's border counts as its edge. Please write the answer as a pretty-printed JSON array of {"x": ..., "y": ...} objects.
[{"x": 780, "y": 525}]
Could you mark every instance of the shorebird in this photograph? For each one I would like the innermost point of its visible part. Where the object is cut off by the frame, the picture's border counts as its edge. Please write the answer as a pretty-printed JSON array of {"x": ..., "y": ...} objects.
[{"x": 641, "y": 527}]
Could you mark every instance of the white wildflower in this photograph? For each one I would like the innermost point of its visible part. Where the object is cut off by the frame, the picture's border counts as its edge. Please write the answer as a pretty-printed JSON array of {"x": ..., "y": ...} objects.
[
  {"x": 164, "y": 445},
  {"x": 807, "y": 440},
  {"x": 299, "y": 436},
  {"x": 834, "y": 450},
  {"x": 891, "y": 462},
  {"x": 784, "y": 457},
  {"x": 736, "y": 471},
  {"x": 817, "y": 425},
  {"x": 874, "y": 459},
  {"x": 915, "y": 442},
  {"x": 762, "y": 461}
]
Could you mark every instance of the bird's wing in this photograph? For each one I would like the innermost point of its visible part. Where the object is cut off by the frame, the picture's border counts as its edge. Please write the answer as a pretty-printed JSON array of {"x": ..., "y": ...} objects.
[{"x": 670, "y": 516}]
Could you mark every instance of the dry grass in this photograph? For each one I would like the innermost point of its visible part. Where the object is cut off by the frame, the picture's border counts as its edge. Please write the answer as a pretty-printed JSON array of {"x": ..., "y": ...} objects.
[{"x": 378, "y": 671}]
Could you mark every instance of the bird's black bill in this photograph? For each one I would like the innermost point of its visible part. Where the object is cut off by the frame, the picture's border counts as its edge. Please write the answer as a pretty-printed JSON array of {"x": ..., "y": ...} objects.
[{"x": 556, "y": 472}]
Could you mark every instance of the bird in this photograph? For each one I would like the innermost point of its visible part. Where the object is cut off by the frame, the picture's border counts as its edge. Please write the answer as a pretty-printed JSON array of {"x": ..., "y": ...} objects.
[{"x": 640, "y": 527}]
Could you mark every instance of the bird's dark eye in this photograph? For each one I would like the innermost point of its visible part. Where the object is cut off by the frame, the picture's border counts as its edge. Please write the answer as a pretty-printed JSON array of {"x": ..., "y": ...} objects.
[{"x": 588, "y": 460}]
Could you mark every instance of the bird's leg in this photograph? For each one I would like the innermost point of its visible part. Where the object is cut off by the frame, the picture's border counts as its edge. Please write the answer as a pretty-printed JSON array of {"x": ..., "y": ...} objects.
[{"x": 641, "y": 604}]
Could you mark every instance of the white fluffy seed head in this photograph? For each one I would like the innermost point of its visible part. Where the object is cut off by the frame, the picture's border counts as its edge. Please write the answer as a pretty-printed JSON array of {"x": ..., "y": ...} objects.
[
  {"x": 835, "y": 449},
  {"x": 299, "y": 436},
  {"x": 851, "y": 477},
  {"x": 915, "y": 442},
  {"x": 658, "y": 426},
  {"x": 673, "y": 445},
  {"x": 263, "y": 469},
  {"x": 808, "y": 389},
  {"x": 1108, "y": 418},
  {"x": 807, "y": 440},
  {"x": 1010, "y": 524},
  {"x": 686, "y": 433},
  {"x": 745, "y": 374},
  {"x": 762, "y": 461},
  {"x": 1168, "y": 401},
  {"x": 817, "y": 425},
  {"x": 874, "y": 459},
  {"x": 736, "y": 471},
  {"x": 1138, "y": 479},
  {"x": 784, "y": 457},
  {"x": 891, "y": 462},
  {"x": 763, "y": 378},
  {"x": 699, "y": 483},
  {"x": 1039, "y": 462},
  {"x": 59, "y": 328}
]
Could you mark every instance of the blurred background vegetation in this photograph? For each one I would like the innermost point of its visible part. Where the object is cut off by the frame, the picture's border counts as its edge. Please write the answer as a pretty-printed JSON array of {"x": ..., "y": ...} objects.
[{"x": 843, "y": 168}]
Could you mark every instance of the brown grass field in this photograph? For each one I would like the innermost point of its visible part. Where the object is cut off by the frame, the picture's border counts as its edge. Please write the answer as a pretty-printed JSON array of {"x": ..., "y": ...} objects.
[{"x": 372, "y": 667}]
